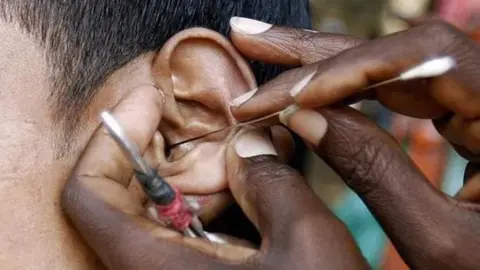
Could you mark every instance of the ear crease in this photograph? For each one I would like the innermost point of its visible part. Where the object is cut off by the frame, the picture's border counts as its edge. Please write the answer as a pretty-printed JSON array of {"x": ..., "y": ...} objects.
[
  {"x": 162, "y": 65},
  {"x": 200, "y": 68}
]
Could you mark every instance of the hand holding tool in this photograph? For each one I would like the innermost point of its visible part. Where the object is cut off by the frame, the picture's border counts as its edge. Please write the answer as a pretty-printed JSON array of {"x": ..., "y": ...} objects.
[
  {"x": 171, "y": 205},
  {"x": 428, "y": 69}
]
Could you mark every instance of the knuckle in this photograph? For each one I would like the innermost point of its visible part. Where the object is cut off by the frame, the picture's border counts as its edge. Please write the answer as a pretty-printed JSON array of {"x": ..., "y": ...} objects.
[
  {"x": 444, "y": 34},
  {"x": 360, "y": 154},
  {"x": 371, "y": 162},
  {"x": 314, "y": 47},
  {"x": 439, "y": 27},
  {"x": 304, "y": 40},
  {"x": 266, "y": 173}
]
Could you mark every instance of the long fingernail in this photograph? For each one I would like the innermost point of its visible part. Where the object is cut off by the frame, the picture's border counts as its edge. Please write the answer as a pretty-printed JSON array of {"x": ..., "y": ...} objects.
[
  {"x": 252, "y": 144},
  {"x": 308, "y": 124},
  {"x": 297, "y": 88},
  {"x": 249, "y": 26},
  {"x": 286, "y": 114},
  {"x": 237, "y": 102}
]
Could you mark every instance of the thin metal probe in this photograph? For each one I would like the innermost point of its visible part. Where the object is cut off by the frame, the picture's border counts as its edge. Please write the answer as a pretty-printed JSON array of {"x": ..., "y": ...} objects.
[
  {"x": 226, "y": 129},
  {"x": 428, "y": 69},
  {"x": 396, "y": 79}
]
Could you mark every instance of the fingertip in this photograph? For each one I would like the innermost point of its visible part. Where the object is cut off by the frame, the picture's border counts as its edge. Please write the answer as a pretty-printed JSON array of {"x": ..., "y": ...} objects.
[
  {"x": 300, "y": 86},
  {"x": 270, "y": 44},
  {"x": 248, "y": 26},
  {"x": 240, "y": 100},
  {"x": 246, "y": 146},
  {"x": 266, "y": 101},
  {"x": 273, "y": 96},
  {"x": 251, "y": 144},
  {"x": 308, "y": 124}
]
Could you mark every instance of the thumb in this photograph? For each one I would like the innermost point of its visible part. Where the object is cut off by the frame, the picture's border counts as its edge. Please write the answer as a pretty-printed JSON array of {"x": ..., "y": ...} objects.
[{"x": 290, "y": 218}]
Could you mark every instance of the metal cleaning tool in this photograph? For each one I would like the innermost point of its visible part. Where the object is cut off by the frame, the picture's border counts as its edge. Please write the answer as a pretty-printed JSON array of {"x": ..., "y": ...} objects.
[
  {"x": 171, "y": 206},
  {"x": 429, "y": 69}
]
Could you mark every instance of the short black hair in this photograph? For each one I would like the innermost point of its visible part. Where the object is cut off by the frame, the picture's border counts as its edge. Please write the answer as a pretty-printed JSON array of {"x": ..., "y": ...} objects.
[{"x": 86, "y": 40}]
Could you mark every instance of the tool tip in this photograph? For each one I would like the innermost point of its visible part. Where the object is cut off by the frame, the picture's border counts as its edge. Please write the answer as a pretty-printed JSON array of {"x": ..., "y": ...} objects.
[
  {"x": 111, "y": 124},
  {"x": 105, "y": 116},
  {"x": 432, "y": 68}
]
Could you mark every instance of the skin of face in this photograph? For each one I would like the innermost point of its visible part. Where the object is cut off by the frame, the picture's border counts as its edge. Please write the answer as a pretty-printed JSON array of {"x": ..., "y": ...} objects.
[{"x": 198, "y": 72}]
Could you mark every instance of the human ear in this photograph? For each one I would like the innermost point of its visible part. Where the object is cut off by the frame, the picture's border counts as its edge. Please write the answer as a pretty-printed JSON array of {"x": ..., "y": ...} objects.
[{"x": 199, "y": 73}]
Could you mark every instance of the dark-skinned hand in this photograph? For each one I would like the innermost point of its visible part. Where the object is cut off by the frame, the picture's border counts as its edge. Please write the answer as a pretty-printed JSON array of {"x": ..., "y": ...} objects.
[
  {"x": 297, "y": 229},
  {"x": 429, "y": 229}
]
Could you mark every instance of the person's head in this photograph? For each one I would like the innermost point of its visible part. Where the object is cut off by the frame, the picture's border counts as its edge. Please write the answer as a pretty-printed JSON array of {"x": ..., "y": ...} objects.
[
  {"x": 64, "y": 61},
  {"x": 77, "y": 45}
]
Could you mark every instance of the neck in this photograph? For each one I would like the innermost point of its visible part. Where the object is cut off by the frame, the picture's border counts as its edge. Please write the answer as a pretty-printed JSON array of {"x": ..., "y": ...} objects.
[
  {"x": 33, "y": 223},
  {"x": 25, "y": 147},
  {"x": 31, "y": 181},
  {"x": 34, "y": 232}
]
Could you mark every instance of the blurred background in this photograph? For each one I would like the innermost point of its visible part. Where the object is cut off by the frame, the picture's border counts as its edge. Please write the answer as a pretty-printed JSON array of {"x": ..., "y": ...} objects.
[{"x": 443, "y": 167}]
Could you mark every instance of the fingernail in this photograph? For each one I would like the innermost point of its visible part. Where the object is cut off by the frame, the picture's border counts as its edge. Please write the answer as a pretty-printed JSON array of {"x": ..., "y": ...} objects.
[
  {"x": 252, "y": 144},
  {"x": 286, "y": 114},
  {"x": 237, "y": 102},
  {"x": 297, "y": 88},
  {"x": 308, "y": 124},
  {"x": 249, "y": 26}
]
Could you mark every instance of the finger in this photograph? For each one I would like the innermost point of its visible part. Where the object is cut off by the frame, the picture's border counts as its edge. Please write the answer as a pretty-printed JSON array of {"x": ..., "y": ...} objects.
[
  {"x": 272, "y": 97},
  {"x": 283, "y": 142},
  {"x": 471, "y": 171},
  {"x": 124, "y": 241},
  {"x": 471, "y": 190},
  {"x": 139, "y": 114},
  {"x": 376, "y": 168},
  {"x": 287, "y": 46},
  {"x": 98, "y": 203},
  {"x": 289, "y": 216},
  {"x": 280, "y": 45},
  {"x": 386, "y": 58},
  {"x": 308, "y": 124},
  {"x": 462, "y": 133}
]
